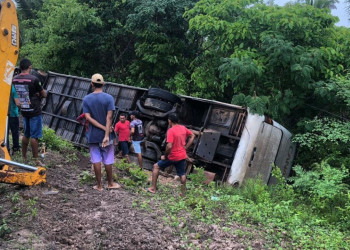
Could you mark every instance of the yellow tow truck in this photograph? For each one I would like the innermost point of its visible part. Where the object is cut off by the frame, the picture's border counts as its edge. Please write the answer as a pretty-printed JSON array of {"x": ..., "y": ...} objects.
[{"x": 9, "y": 50}]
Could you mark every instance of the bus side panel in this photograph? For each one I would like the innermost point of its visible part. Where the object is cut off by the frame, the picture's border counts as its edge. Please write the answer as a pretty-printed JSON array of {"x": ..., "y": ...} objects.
[
  {"x": 264, "y": 153},
  {"x": 245, "y": 149},
  {"x": 285, "y": 154}
]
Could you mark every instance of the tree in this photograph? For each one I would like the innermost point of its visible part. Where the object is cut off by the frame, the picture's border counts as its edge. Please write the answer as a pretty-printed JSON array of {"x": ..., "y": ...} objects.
[
  {"x": 347, "y": 3},
  {"x": 28, "y": 8},
  {"x": 62, "y": 36},
  {"x": 161, "y": 46},
  {"x": 323, "y": 4},
  {"x": 269, "y": 58},
  {"x": 141, "y": 43},
  {"x": 116, "y": 43}
]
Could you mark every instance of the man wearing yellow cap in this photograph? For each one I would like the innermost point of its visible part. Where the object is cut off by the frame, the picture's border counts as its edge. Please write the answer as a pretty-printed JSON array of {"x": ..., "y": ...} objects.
[{"x": 98, "y": 108}]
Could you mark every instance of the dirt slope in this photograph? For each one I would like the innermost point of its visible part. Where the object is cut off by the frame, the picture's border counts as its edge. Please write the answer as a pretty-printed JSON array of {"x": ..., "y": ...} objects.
[{"x": 78, "y": 217}]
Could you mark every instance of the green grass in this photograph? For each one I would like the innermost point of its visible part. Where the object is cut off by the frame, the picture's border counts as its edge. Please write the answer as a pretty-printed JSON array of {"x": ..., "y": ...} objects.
[
  {"x": 130, "y": 175},
  {"x": 54, "y": 142},
  {"x": 86, "y": 177},
  {"x": 4, "y": 229},
  {"x": 275, "y": 211}
]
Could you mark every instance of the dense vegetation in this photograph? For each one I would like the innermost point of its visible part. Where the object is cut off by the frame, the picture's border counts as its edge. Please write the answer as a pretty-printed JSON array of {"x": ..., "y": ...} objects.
[
  {"x": 289, "y": 62},
  {"x": 298, "y": 216}
]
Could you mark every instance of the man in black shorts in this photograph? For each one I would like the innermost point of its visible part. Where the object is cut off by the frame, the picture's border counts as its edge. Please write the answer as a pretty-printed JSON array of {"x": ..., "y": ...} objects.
[
  {"x": 122, "y": 128},
  {"x": 175, "y": 152}
]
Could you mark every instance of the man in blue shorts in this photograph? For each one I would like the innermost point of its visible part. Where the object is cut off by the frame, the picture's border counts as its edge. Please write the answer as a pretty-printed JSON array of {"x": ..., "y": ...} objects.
[
  {"x": 98, "y": 108},
  {"x": 136, "y": 130},
  {"x": 29, "y": 93},
  {"x": 175, "y": 152}
]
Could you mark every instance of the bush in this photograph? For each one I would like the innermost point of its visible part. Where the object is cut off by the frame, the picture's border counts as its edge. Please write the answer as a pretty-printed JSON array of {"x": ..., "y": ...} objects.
[
  {"x": 254, "y": 190},
  {"x": 134, "y": 176},
  {"x": 197, "y": 177},
  {"x": 4, "y": 229},
  {"x": 323, "y": 139},
  {"x": 323, "y": 183},
  {"x": 324, "y": 191},
  {"x": 54, "y": 142},
  {"x": 86, "y": 177},
  {"x": 345, "y": 212},
  {"x": 273, "y": 211}
]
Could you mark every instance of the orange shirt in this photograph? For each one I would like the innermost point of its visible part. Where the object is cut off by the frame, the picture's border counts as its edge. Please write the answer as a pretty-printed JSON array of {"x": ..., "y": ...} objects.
[{"x": 177, "y": 135}]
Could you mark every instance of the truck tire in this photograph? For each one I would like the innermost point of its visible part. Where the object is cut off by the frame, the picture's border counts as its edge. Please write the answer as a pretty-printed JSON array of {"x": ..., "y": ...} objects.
[
  {"x": 158, "y": 105},
  {"x": 163, "y": 95}
]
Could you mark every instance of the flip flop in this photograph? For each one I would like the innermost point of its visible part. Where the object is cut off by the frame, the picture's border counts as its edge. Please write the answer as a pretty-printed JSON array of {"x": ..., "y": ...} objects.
[{"x": 148, "y": 191}]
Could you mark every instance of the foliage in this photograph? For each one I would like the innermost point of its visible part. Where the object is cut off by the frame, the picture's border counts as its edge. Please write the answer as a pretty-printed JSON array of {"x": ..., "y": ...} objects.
[
  {"x": 264, "y": 57},
  {"x": 4, "y": 228},
  {"x": 114, "y": 43},
  {"x": 288, "y": 62},
  {"x": 273, "y": 59},
  {"x": 329, "y": 4},
  {"x": 86, "y": 177},
  {"x": 27, "y": 9},
  {"x": 345, "y": 212},
  {"x": 281, "y": 190},
  {"x": 322, "y": 184},
  {"x": 323, "y": 131},
  {"x": 272, "y": 210},
  {"x": 54, "y": 142},
  {"x": 197, "y": 177},
  {"x": 61, "y": 35},
  {"x": 323, "y": 189},
  {"x": 336, "y": 91},
  {"x": 133, "y": 175},
  {"x": 15, "y": 198},
  {"x": 72, "y": 157},
  {"x": 33, "y": 210},
  {"x": 162, "y": 49},
  {"x": 138, "y": 42},
  {"x": 324, "y": 139}
]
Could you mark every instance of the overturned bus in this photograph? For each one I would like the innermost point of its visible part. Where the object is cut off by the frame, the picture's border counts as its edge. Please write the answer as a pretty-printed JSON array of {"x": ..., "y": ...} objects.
[{"x": 230, "y": 142}]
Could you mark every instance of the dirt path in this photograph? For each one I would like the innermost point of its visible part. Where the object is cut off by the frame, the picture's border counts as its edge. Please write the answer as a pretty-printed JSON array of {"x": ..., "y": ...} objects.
[{"x": 78, "y": 217}]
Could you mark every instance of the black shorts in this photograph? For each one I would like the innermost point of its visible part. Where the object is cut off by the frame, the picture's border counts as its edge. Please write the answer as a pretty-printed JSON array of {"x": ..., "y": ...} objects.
[
  {"x": 124, "y": 147},
  {"x": 179, "y": 165}
]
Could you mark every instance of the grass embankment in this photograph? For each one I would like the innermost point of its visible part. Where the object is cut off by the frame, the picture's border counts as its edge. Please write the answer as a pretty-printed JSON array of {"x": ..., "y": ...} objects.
[
  {"x": 283, "y": 216},
  {"x": 313, "y": 212}
]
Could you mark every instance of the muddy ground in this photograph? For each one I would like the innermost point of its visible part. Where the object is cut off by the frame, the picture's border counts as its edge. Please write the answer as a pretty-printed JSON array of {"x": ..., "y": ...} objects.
[{"x": 79, "y": 217}]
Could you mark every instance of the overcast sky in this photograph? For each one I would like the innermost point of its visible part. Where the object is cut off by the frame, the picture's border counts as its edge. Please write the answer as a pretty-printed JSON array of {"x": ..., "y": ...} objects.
[{"x": 340, "y": 12}]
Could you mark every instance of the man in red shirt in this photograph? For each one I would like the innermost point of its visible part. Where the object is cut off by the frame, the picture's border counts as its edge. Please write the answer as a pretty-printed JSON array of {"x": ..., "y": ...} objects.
[
  {"x": 175, "y": 152},
  {"x": 122, "y": 128}
]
